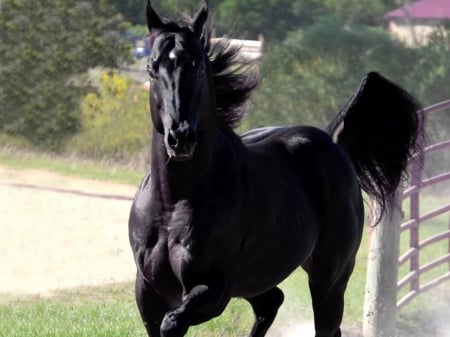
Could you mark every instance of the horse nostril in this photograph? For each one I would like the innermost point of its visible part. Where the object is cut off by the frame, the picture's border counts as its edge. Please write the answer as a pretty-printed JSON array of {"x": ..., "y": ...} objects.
[
  {"x": 191, "y": 136},
  {"x": 172, "y": 140}
]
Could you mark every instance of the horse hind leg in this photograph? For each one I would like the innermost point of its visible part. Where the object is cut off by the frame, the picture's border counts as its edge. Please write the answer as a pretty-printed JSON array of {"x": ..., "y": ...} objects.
[
  {"x": 327, "y": 293},
  {"x": 265, "y": 307}
]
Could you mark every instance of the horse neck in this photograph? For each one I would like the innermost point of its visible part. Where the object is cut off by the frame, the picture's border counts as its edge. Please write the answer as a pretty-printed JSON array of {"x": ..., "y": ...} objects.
[{"x": 180, "y": 180}]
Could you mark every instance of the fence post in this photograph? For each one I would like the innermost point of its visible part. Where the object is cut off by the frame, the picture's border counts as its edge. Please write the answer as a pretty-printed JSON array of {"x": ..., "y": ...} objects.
[{"x": 380, "y": 301}]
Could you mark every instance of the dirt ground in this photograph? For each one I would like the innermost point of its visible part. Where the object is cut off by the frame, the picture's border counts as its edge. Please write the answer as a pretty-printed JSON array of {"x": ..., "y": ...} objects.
[{"x": 59, "y": 232}]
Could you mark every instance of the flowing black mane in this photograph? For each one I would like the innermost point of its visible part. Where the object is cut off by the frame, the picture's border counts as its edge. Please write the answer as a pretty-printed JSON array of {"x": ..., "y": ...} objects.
[{"x": 233, "y": 77}]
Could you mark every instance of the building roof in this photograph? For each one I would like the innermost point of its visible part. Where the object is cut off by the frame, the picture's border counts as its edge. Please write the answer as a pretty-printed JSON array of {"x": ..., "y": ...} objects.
[{"x": 423, "y": 9}]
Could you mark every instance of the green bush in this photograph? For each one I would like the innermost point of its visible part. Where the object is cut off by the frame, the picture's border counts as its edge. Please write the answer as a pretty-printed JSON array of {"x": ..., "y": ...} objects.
[
  {"x": 115, "y": 121},
  {"x": 44, "y": 46},
  {"x": 310, "y": 76}
]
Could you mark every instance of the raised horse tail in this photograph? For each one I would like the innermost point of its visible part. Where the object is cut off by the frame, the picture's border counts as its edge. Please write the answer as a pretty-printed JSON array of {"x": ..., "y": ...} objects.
[{"x": 379, "y": 129}]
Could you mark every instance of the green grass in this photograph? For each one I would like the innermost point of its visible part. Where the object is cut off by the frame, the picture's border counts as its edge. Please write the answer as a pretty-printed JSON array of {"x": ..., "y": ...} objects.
[
  {"x": 99, "y": 312},
  {"x": 106, "y": 311},
  {"x": 106, "y": 171},
  {"x": 110, "y": 311}
]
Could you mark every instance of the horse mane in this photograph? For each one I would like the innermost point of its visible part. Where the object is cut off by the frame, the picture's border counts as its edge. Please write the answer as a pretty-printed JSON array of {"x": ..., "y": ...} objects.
[
  {"x": 233, "y": 77},
  {"x": 234, "y": 81}
]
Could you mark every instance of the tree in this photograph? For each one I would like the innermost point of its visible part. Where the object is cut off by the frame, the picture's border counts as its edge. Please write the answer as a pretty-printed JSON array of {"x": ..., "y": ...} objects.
[
  {"x": 309, "y": 77},
  {"x": 276, "y": 18},
  {"x": 367, "y": 12},
  {"x": 432, "y": 73},
  {"x": 173, "y": 8},
  {"x": 44, "y": 46},
  {"x": 431, "y": 76},
  {"x": 273, "y": 19},
  {"x": 133, "y": 11}
]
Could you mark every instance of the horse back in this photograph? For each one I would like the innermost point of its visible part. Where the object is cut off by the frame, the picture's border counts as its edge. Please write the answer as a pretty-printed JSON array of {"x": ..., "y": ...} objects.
[
  {"x": 302, "y": 165},
  {"x": 299, "y": 160}
]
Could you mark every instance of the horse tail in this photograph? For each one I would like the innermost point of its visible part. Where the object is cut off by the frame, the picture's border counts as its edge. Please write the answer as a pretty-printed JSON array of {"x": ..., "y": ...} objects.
[{"x": 379, "y": 129}]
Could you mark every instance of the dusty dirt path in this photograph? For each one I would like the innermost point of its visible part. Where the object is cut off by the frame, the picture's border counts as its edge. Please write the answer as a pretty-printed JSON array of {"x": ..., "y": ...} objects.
[{"x": 52, "y": 239}]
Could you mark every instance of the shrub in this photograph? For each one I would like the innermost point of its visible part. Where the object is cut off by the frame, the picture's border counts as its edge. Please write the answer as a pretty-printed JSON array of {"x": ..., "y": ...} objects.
[
  {"x": 115, "y": 123},
  {"x": 43, "y": 46},
  {"x": 309, "y": 77}
]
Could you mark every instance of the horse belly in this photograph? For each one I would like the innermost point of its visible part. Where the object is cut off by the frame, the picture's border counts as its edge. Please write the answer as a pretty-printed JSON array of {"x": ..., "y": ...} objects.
[{"x": 268, "y": 263}]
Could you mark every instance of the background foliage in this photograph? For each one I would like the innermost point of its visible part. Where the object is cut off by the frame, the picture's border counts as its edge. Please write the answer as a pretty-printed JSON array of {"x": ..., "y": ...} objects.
[
  {"x": 310, "y": 75},
  {"x": 114, "y": 120},
  {"x": 273, "y": 19},
  {"x": 44, "y": 47},
  {"x": 315, "y": 53}
]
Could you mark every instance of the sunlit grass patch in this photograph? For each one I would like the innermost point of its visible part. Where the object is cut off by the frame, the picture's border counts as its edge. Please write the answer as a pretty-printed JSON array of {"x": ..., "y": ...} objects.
[
  {"x": 70, "y": 166},
  {"x": 99, "y": 312},
  {"x": 86, "y": 312}
]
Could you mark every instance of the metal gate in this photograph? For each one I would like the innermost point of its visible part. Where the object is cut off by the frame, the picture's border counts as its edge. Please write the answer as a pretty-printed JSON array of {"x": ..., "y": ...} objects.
[
  {"x": 385, "y": 294},
  {"x": 412, "y": 255}
]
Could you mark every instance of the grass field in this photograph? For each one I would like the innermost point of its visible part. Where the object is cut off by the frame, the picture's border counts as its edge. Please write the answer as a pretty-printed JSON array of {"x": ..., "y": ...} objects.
[
  {"x": 106, "y": 171},
  {"x": 111, "y": 311}
]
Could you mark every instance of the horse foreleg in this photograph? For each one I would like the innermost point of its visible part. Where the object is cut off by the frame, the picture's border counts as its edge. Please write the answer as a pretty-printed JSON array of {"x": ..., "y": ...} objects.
[
  {"x": 201, "y": 304},
  {"x": 151, "y": 307},
  {"x": 265, "y": 306}
]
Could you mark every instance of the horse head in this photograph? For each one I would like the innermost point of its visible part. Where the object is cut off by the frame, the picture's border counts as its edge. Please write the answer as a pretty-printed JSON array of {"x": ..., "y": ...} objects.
[{"x": 181, "y": 95}]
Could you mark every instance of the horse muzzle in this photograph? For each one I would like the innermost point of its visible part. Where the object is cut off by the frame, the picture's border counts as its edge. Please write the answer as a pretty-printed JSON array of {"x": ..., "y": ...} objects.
[{"x": 180, "y": 142}]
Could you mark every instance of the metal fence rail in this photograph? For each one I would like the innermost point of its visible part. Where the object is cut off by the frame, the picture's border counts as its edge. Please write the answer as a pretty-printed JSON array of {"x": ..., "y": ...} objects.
[{"x": 412, "y": 255}]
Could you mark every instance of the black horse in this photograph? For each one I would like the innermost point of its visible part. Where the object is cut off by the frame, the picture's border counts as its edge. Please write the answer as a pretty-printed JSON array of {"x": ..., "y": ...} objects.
[{"x": 222, "y": 215}]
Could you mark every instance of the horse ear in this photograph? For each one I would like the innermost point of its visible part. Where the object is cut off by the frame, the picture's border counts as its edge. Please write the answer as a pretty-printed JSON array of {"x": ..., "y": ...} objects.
[
  {"x": 153, "y": 20},
  {"x": 200, "y": 19}
]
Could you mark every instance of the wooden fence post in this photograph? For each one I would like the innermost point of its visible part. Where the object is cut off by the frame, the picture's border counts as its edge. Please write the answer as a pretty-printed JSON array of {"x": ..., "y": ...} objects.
[{"x": 380, "y": 301}]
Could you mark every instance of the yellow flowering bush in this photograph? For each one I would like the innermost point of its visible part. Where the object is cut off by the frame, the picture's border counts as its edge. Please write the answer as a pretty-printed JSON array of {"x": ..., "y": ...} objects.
[{"x": 115, "y": 121}]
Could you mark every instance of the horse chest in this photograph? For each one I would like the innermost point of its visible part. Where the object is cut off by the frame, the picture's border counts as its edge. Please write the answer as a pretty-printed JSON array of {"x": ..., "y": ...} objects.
[
  {"x": 181, "y": 246},
  {"x": 166, "y": 261}
]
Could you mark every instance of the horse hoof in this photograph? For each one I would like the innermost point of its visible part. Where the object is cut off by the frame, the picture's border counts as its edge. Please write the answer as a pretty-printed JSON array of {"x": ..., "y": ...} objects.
[{"x": 171, "y": 327}]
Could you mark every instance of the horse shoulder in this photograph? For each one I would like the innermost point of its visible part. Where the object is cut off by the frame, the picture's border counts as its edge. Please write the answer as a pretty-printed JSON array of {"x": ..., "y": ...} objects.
[{"x": 145, "y": 211}]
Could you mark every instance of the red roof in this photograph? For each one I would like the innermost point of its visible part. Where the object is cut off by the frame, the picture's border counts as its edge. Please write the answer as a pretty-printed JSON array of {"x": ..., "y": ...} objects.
[{"x": 423, "y": 9}]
